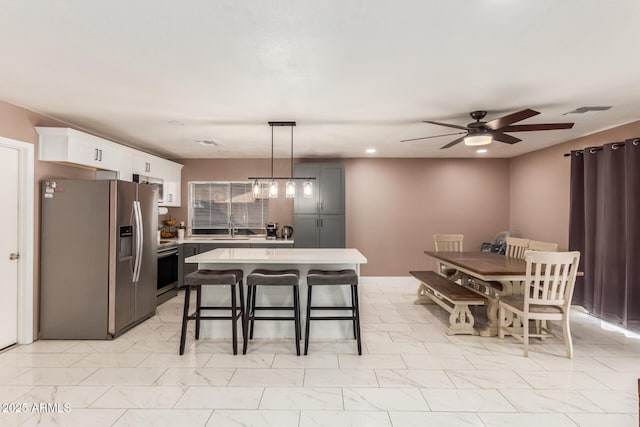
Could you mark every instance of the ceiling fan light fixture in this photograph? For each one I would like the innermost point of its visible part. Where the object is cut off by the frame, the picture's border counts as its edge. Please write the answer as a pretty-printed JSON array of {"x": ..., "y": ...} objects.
[{"x": 478, "y": 139}]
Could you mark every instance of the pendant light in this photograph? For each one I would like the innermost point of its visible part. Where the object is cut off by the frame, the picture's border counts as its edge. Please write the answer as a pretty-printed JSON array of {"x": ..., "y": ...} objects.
[{"x": 290, "y": 186}]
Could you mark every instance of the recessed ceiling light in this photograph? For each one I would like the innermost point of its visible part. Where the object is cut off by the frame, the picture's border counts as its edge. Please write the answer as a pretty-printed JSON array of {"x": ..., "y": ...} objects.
[
  {"x": 175, "y": 123},
  {"x": 208, "y": 142},
  {"x": 371, "y": 150},
  {"x": 481, "y": 151}
]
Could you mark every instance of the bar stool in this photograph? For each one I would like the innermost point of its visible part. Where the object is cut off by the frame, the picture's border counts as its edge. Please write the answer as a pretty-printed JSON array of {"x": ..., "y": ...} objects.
[
  {"x": 271, "y": 278},
  {"x": 201, "y": 278},
  {"x": 334, "y": 278}
]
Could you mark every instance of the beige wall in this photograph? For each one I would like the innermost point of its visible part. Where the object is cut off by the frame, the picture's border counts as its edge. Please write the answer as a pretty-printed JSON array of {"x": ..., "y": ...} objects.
[
  {"x": 539, "y": 186},
  {"x": 393, "y": 206},
  {"x": 18, "y": 124}
]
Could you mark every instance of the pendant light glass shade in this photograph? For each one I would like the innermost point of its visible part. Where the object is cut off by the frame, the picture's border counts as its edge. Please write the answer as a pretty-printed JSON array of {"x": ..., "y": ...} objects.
[
  {"x": 290, "y": 189},
  {"x": 271, "y": 182},
  {"x": 307, "y": 189},
  {"x": 273, "y": 189},
  {"x": 256, "y": 189}
]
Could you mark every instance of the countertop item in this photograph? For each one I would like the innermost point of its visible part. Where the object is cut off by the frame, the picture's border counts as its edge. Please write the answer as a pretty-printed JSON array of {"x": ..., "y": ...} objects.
[{"x": 279, "y": 256}]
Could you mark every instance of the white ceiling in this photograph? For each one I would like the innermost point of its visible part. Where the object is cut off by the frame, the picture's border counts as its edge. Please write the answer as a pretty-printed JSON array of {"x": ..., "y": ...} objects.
[{"x": 353, "y": 74}]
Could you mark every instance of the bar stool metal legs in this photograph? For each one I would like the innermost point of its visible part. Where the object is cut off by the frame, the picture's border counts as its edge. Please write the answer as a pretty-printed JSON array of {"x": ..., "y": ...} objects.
[
  {"x": 271, "y": 278},
  {"x": 197, "y": 279},
  {"x": 334, "y": 278}
]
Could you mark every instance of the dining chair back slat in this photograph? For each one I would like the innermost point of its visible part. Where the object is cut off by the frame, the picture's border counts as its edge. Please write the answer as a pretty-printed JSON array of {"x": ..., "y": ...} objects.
[
  {"x": 448, "y": 242},
  {"x": 516, "y": 247},
  {"x": 535, "y": 245}
]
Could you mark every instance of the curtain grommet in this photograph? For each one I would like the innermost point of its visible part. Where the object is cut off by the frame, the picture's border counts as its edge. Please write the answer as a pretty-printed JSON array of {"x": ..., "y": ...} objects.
[
  {"x": 592, "y": 151},
  {"x": 615, "y": 146}
]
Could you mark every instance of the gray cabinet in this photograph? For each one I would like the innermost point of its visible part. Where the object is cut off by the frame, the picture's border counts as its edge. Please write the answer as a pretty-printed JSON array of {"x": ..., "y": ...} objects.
[
  {"x": 320, "y": 220},
  {"x": 186, "y": 250},
  {"x": 319, "y": 231},
  {"x": 267, "y": 245},
  {"x": 328, "y": 191}
]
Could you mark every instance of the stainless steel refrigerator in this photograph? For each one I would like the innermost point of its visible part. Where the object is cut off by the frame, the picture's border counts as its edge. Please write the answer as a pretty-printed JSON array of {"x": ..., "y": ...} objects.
[{"x": 98, "y": 257}]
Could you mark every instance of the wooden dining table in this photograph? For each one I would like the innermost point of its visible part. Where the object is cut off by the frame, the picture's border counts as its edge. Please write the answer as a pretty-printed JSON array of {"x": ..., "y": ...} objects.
[{"x": 487, "y": 273}]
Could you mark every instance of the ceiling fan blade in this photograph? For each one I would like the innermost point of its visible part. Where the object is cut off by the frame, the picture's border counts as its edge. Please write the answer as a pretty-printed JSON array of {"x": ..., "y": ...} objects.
[
  {"x": 428, "y": 137},
  {"x": 445, "y": 124},
  {"x": 452, "y": 143},
  {"x": 540, "y": 126},
  {"x": 503, "y": 137},
  {"x": 499, "y": 123}
]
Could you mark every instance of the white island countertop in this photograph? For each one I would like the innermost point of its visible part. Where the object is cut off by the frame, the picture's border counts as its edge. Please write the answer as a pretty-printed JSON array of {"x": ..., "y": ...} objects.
[{"x": 279, "y": 256}]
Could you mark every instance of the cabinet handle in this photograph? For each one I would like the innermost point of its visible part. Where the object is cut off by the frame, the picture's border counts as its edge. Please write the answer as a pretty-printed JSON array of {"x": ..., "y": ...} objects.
[
  {"x": 95, "y": 154},
  {"x": 170, "y": 198},
  {"x": 321, "y": 206},
  {"x": 321, "y": 223},
  {"x": 100, "y": 152}
]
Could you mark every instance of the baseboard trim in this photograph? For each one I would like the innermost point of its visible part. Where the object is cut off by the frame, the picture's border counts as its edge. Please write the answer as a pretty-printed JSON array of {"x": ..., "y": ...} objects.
[{"x": 388, "y": 280}]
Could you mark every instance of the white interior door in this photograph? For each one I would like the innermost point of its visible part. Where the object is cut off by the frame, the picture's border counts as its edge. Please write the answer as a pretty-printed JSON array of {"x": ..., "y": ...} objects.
[{"x": 9, "y": 181}]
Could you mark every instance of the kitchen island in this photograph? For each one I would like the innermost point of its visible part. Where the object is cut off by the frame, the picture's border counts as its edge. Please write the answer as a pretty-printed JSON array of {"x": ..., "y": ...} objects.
[{"x": 302, "y": 259}]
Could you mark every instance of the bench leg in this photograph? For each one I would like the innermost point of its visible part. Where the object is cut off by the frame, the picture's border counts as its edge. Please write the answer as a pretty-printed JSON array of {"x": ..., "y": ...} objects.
[
  {"x": 423, "y": 296},
  {"x": 461, "y": 321}
]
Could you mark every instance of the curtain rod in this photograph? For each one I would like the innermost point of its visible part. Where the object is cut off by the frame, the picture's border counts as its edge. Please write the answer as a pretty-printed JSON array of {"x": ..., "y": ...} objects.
[{"x": 615, "y": 146}]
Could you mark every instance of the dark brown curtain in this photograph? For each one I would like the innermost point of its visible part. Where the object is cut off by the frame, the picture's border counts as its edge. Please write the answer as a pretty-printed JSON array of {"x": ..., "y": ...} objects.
[{"x": 604, "y": 212}]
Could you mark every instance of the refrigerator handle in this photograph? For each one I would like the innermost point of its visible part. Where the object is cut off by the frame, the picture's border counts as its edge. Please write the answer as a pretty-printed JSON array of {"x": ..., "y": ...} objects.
[{"x": 139, "y": 237}]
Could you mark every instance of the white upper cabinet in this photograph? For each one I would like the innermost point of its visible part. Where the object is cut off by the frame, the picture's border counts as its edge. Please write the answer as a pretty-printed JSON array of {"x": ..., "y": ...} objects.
[
  {"x": 71, "y": 146},
  {"x": 147, "y": 165},
  {"x": 173, "y": 184},
  {"x": 77, "y": 148},
  {"x": 171, "y": 175}
]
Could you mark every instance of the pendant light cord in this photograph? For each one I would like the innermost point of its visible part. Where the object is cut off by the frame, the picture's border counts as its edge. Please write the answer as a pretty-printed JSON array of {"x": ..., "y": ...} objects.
[
  {"x": 272, "y": 153},
  {"x": 291, "y": 151}
]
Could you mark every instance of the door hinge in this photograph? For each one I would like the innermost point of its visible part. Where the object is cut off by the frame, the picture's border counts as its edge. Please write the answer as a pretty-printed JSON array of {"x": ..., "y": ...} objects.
[{"x": 13, "y": 256}]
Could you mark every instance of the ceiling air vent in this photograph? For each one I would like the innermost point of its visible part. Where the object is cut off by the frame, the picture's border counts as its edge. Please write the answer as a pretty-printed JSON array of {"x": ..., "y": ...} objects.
[
  {"x": 582, "y": 110},
  {"x": 208, "y": 142}
]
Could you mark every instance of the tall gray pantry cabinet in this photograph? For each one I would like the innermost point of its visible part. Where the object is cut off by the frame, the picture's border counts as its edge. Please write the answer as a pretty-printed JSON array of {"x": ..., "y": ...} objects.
[{"x": 319, "y": 220}]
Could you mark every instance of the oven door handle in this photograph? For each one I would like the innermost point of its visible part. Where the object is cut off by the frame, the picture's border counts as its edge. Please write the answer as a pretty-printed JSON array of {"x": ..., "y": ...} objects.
[{"x": 166, "y": 254}]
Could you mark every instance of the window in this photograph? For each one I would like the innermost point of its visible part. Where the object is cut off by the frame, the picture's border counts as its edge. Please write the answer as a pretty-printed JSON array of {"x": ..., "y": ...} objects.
[{"x": 214, "y": 206}]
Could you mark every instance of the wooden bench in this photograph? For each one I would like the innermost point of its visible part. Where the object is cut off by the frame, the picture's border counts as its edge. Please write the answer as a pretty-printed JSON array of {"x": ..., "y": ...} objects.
[{"x": 454, "y": 298}]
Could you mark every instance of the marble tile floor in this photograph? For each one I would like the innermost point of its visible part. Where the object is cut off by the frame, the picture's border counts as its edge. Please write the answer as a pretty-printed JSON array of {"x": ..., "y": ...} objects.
[{"x": 410, "y": 374}]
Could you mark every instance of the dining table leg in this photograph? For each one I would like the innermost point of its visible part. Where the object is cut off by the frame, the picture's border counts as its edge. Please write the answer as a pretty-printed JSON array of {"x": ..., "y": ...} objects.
[{"x": 509, "y": 287}]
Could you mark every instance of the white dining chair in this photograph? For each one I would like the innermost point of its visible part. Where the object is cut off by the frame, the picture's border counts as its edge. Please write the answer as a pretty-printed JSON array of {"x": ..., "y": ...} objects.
[
  {"x": 448, "y": 242},
  {"x": 548, "y": 288},
  {"x": 535, "y": 245},
  {"x": 516, "y": 247}
]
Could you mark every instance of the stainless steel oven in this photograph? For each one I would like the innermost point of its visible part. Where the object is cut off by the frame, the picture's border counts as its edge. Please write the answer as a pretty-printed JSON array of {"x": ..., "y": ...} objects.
[{"x": 167, "y": 270}]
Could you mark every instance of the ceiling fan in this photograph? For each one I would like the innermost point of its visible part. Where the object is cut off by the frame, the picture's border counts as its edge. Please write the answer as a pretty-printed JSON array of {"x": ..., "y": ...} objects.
[{"x": 482, "y": 133}]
